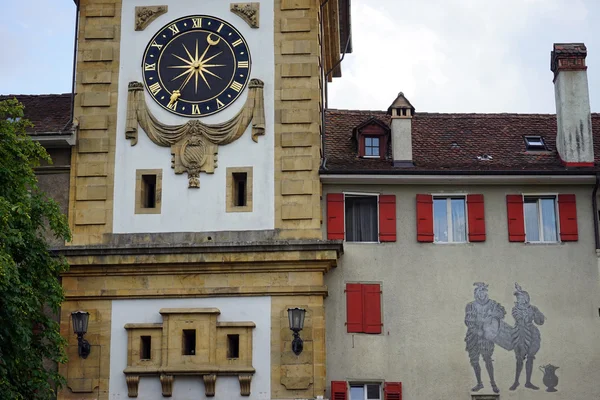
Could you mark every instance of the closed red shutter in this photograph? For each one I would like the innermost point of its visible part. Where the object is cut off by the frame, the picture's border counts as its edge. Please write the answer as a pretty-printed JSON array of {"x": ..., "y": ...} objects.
[
  {"x": 424, "y": 218},
  {"x": 393, "y": 390},
  {"x": 514, "y": 212},
  {"x": 476, "y": 213},
  {"x": 387, "y": 218},
  {"x": 372, "y": 308},
  {"x": 335, "y": 216},
  {"x": 354, "y": 307},
  {"x": 339, "y": 390},
  {"x": 567, "y": 210}
]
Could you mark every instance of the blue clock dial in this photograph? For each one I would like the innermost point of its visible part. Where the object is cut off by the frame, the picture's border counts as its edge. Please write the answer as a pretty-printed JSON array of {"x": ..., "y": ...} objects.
[{"x": 196, "y": 66}]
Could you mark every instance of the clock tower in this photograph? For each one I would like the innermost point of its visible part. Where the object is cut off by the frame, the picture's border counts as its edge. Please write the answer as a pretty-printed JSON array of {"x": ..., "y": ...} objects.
[{"x": 195, "y": 198}]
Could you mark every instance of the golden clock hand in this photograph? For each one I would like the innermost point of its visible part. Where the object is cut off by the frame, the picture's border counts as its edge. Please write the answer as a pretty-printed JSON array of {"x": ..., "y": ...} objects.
[
  {"x": 210, "y": 58},
  {"x": 185, "y": 61},
  {"x": 190, "y": 70},
  {"x": 188, "y": 53},
  {"x": 211, "y": 73},
  {"x": 186, "y": 80}
]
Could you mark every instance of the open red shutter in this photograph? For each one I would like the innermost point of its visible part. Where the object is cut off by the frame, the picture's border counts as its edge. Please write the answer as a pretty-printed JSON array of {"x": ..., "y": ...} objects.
[
  {"x": 567, "y": 210},
  {"x": 476, "y": 213},
  {"x": 372, "y": 308},
  {"x": 339, "y": 390},
  {"x": 354, "y": 307},
  {"x": 335, "y": 216},
  {"x": 393, "y": 390},
  {"x": 387, "y": 218},
  {"x": 516, "y": 224},
  {"x": 424, "y": 218}
]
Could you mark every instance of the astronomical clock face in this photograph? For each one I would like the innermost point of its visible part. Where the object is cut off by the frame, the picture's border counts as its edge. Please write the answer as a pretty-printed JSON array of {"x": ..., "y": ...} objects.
[{"x": 196, "y": 66}]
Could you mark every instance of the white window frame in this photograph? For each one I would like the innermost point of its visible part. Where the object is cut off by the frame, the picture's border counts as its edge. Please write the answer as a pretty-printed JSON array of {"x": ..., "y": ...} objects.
[
  {"x": 537, "y": 197},
  {"x": 449, "y": 196},
  {"x": 361, "y": 194},
  {"x": 364, "y": 385}
]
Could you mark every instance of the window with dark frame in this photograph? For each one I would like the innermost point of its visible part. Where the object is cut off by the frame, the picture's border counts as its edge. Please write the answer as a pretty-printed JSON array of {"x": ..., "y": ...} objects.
[
  {"x": 361, "y": 218},
  {"x": 148, "y": 191},
  {"x": 240, "y": 181},
  {"x": 534, "y": 143},
  {"x": 189, "y": 342},
  {"x": 145, "y": 347},
  {"x": 371, "y": 146},
  {"x": 233, "y": 346}
]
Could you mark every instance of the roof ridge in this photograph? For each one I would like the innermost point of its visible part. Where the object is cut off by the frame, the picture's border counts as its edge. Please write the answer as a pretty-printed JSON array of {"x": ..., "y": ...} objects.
[{"x": 36, "y": 95}]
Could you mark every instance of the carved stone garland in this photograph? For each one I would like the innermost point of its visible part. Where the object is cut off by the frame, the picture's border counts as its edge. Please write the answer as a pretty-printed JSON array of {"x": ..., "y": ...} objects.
[
  {"x": 194, "y": 145},
  {"x": 249, "y": 12},
  {"x": 145, "y": 15}
]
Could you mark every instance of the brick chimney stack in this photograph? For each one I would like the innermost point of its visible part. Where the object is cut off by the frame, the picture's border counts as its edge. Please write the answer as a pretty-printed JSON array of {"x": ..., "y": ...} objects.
[
  {"x": 574, "y": 140},
  {"x": 402, "y": 112}
]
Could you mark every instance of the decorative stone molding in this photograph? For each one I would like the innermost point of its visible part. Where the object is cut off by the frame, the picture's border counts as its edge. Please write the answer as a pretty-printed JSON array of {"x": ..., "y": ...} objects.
[
  {"x": 245, "y": 383},
  {"x": 133, "y": 383},
  {"x": 209, "y": 384},
  {"x": 194, "y": 145},
  {"x": 146, "y": 14},
  {"x": 249, "y": 12},
  {"x": 166, "y": 381}
]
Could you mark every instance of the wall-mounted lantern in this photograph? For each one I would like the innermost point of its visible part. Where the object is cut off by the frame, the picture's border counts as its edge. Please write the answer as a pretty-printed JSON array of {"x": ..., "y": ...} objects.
[
  {"x": 296, "y": 317},
  {"x": 80, "y": 325}
]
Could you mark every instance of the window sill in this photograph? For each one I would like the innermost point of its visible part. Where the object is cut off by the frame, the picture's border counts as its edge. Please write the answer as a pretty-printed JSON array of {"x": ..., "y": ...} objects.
[
  {"x": 345, "y": 241},
  {"x": 451, "y": 243},
  {"x": 372, "y": 157},
  {"x": 543, "y": 243}
]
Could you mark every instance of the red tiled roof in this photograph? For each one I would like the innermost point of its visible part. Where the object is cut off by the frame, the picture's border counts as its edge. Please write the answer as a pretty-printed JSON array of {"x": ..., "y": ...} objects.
[
  {"x": 49, "y": 113},
  {"x": 452, "y": 142}
]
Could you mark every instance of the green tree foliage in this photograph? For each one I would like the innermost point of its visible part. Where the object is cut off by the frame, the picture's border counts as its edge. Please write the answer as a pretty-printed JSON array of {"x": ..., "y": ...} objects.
[{"x": 29, "y": 273}]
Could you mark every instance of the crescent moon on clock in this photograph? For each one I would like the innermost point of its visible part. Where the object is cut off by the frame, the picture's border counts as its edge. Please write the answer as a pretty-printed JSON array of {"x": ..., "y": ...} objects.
[{"x": 211, "y": 41}]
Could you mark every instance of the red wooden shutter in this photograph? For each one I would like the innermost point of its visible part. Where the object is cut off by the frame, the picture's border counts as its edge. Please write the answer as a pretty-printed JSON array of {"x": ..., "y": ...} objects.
[
  {"x": 476, "y": 213},
  {"x": 516, "y": 224},
  {"x": 354, "y": 307},
  {"x": 424, "y": 218},
  {"x": 387, "y": 218},
  {"x": 335, "y": 216},
  {"x": 339, "y": 390},
  {"x": 393, "y": 390},
  {"x": 372, "y": 308},
  {"x": 567, "y": 210}
]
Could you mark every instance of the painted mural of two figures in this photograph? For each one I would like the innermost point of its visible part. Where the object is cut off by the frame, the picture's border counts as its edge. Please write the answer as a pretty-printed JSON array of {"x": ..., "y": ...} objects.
[{"x": 486, "y": 328}]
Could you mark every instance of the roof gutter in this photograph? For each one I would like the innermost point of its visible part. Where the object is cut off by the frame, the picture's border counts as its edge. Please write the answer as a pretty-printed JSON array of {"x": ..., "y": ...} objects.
[
  {"x": 72, "y": 118},
  {"x": 453, "y": 178}
]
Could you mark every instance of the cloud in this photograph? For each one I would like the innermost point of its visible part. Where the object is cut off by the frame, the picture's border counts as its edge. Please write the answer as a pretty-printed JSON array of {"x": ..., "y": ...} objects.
[{"x": 456, "y": 56}]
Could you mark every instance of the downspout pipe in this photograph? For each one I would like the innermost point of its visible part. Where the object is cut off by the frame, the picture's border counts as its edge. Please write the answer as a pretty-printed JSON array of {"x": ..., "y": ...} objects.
[
  {"x": 595, "y": 211},
  {"x": 72, "y": 117}
]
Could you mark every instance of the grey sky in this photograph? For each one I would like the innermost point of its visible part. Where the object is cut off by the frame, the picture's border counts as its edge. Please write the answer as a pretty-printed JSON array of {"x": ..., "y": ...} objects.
[{"x": 445, "y": 55}]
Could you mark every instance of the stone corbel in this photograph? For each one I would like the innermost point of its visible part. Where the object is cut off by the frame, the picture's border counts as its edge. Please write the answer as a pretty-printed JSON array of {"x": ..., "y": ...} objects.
[
  {"x": 209, "y": 384},
  {"x": 133, "y": 383},
  {"x": 146, "y": 14},
  {"x": 166, "y": 381},
  {"x": 249, "y": 12},
  {"x": 245, "y": 383}
]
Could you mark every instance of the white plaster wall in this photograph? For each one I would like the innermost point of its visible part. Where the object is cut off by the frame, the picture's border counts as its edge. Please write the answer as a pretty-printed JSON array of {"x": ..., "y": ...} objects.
[
  {"x": 574, "y": 140},
  {"x": 402, "y": 139},
  {"x": 426, "y": 286},
  {"x": 256, "y": 309},
  {"x": 183, "y": 209}
]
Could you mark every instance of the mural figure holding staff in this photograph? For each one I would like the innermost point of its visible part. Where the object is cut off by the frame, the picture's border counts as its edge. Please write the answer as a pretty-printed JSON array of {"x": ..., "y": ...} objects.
[
  {"x": 526, "y": 337},
  {"x": 483, "y": 318}
]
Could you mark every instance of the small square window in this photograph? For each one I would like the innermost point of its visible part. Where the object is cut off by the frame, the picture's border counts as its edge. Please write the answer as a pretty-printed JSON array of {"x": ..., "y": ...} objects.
[
  {"x": 145, "y": 347},
  {"x": 189, "y": 342},
  {"x": 361, "y": 218},
  {"x": 371, "y": 146},
  {"x": 233, "y": 346},
  {"x": 449, "y": 220},
  {"x": 540, "y": 219},
  {"x": 533, "y": 143},
  {"x": 148, "y": 191}
]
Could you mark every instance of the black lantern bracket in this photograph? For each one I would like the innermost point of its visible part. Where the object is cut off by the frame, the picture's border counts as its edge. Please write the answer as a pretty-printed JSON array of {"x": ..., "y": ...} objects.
[
  {"x": 296, "y": 319},
  {"x": 80, "y": 324}
]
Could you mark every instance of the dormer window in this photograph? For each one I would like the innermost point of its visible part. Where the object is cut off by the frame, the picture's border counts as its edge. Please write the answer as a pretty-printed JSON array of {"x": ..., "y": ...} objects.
[
  {"x": 372, "y": 146},
  {"x": 534, "y": 143},
  {"x": 372, "y": 137}
]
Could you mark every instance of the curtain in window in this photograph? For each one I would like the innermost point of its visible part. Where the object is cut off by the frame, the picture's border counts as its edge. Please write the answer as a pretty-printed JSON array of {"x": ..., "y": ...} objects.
[
  {"x": 357, "y": 393},
  {"x": 361, "y": 219},
  {"x": 440, "y": 220},
  {"x": 549, "y": 220},
  {"x": 532, "y": 232},
  {"x": 459, "y": 232}
]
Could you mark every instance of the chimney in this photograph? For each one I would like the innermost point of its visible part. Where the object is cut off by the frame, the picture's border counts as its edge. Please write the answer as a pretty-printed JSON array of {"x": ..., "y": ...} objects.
[
  {"x": 574, "y": 140},
  {"x": 402, "y": 112}
]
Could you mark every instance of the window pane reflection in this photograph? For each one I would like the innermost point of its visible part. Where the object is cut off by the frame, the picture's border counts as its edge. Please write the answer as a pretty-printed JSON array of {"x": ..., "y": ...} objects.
[
  {"x": 357, "y": 393},
  {"x": 549, "y": 220},
  {"x": 440, "y": 220},
  {"x": 459, "y": 232},
  {"x": 530, "y": 210}
]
